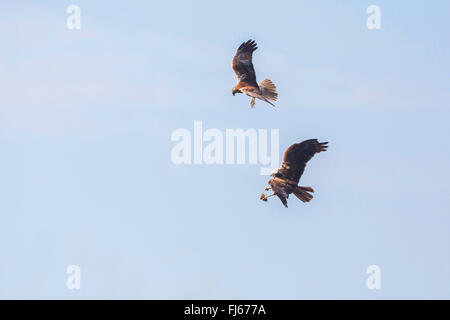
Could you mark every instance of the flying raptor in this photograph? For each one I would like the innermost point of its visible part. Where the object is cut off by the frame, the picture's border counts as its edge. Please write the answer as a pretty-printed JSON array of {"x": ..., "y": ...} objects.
[
  {"x": 245, "y": 73},
  {"x": 285, "y": 180}
]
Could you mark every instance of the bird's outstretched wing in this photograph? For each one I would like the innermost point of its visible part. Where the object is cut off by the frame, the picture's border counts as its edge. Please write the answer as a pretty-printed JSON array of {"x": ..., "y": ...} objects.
[
  {"x": 296, "y": 157},
  {"x": 242, "y": 63}
]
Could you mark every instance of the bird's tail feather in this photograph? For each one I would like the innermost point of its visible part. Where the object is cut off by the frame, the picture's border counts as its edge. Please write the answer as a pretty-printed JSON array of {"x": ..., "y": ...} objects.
[
  {"x": 303, "y": 193},
  {"x": 268, "y": 89}
]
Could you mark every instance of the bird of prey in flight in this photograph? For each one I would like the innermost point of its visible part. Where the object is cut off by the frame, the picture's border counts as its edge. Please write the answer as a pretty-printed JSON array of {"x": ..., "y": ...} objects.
[
  {"x": 285, "y": 180},
  {"x": 245, "y": 73}
]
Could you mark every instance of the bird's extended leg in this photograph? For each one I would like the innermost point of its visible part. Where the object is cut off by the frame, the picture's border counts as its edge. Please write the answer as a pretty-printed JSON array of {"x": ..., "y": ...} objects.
[
  {"x": 252, "y": 102},
  {"x": 267, "y": 189},
  {"x": 264, "y": 197}
]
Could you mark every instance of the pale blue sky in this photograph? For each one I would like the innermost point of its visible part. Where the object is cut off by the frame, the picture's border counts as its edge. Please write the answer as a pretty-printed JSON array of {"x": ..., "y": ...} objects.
[{"x": 85, "y": 124}]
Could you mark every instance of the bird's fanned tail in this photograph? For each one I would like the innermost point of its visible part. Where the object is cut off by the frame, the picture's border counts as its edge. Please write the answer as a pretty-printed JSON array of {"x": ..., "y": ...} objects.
[
  {"x": 269, "y": 90},
  {"x": 303, "y": 193}
]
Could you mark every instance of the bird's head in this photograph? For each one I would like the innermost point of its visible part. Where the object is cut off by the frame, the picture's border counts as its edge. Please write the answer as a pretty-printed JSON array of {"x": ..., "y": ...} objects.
[
  {"x": 274, "y": 172},
  {"x": 234, "y": 91}
]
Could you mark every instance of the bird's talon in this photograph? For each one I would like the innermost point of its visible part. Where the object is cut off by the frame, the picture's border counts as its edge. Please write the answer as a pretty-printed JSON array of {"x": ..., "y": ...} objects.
[{"x": 263, "y": 197}]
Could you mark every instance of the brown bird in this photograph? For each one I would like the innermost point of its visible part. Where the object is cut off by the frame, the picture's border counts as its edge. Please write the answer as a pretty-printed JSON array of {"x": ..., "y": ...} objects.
[
  {"x": 285, "y": 180},
  {"x": 245, "y": 73}
]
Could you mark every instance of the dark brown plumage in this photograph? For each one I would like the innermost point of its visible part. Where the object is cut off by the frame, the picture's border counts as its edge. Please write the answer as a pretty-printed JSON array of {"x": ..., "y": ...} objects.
[
  {"x": 242, "y": 64},
  {"x": 285, "y": 180},
  {"x": 243, "y": 67}
]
